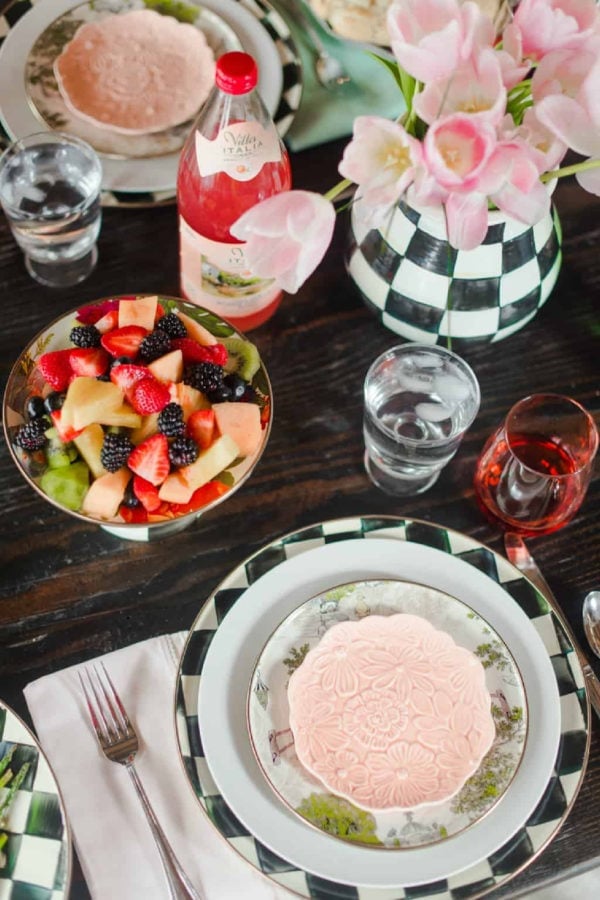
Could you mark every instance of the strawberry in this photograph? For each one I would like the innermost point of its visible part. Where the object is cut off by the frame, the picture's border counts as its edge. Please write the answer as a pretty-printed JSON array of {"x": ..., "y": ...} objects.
[
  {"x": 201, "y": 427},
  {"x": 92, "y": 361},
  {"x": 124, "y": 341},
  {"x": 135, "y": 515},
  {"x": 89, "y": 315},
  {"x": 209, "y": 492},
  {"x": 56, "y": 368},
  {"x": 148, "y": 395},
  {"x": 193, "y": 352},
  {"x": 146, "y": 493},
  {"x": 150, "y": 459},
  {"x": 126, "y": 377},
  {"x": 108, "y": 321}
]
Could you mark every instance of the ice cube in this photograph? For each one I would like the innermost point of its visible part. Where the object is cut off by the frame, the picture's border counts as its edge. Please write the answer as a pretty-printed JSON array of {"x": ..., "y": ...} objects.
[
  {"x": 33, "y": 193},
  {"x": 411, "y": 380},
  {"x": 450, "y": 388},
  {"x": 433, "y": 412}
]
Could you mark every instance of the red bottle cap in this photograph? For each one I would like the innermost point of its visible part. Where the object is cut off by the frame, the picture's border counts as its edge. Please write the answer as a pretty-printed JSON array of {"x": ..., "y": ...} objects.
[{"x": 236, "y": 73}]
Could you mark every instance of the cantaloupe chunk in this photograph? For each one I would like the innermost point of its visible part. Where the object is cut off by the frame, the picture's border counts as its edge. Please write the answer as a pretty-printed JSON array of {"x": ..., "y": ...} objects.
[
  {"x": 168, "y": 368},
  {"x": 188, "y": 398},
  {"x": 175, "y": 489},
  {"x": 197, "y": 331},
  {"x": 138, "y": 312},
  {"x": 106, "y": 494},
  {"x": 241, "y": 421},
  {"x": 209, "y": 463},
  {"x": 89, "y": 444}
]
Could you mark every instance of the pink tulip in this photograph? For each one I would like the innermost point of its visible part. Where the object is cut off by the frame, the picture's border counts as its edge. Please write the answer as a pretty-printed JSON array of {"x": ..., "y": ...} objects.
[
  {"x": 466, "y": 219},
  {"x": 457, "y": 149},
  {"x": 381, "y": 159},
  {"x": 547, "y": 150},
  {"x": 476, "y": 87},
  {"x": 286, "y": 236},
  {"x": 546, "y": 25},
  {"x": 513, "y": 184},
  {"x": 431, "y": 37}
]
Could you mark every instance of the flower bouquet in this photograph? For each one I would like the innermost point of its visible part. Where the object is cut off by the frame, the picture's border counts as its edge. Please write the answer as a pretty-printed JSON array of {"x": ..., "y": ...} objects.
[{"x": 489, "y": 119}]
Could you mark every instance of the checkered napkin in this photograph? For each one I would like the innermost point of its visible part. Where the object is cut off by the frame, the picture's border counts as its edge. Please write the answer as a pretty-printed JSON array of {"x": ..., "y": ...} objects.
[{"x": 117, "y": 853}]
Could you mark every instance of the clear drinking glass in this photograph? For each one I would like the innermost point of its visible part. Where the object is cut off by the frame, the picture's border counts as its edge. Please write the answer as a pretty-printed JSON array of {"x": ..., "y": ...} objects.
[
  {"x": 419, "y": 400},
  {"x": 50, "y": 193},
  {"x": 534, "y": 470}
]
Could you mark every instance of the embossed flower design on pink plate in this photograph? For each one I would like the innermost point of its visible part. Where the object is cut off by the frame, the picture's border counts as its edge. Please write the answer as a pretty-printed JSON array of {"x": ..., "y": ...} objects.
[{"x": 390, "y": 713}]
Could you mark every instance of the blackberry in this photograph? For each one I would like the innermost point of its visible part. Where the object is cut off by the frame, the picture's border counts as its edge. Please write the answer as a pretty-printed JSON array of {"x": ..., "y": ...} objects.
[
  {"x": 172, "y": 325},
  {"x": 205, "y": 376},
  {"x": 155, "y": 344},
  {"x": 115, "y": 451},
  {"x": 85, "y": 336},
  {"x": 31, "y": 435},
  {"x": 183, "y": 451},
  {"x": 170, "y": 420}
]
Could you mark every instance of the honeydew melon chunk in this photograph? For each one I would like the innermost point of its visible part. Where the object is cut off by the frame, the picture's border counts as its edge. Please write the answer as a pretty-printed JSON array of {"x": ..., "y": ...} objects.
[
  {"x": 168, "y": 368},
  {"x": 67, "y": 485},
  {"x": 148, "y": 426},
  {"x": 197, "y": 331},
  {"x": 209, "y": 463},
  {"x": 106, "y": 494},
  {"x": 141, "y": 311},
  {"x": 88, "y": 400},
  {"x": 124, "y": 417},
  {"x": 89, "y": 443},
  {"x": 241, "y": 421}
]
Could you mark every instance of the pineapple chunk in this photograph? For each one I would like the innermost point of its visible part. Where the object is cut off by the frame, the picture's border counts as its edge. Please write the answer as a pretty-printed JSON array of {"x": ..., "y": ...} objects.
[
  {"x": 89, "y": 443},
  {"x": 89, "y": 400}
]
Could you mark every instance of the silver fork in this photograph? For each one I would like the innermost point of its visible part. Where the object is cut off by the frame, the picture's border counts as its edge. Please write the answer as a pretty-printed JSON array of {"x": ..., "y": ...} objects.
[{"x": 119, "y": 743}]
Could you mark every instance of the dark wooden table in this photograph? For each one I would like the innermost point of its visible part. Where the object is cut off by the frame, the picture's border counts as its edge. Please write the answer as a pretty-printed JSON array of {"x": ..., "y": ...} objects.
[{"x": 69, "y": 591}]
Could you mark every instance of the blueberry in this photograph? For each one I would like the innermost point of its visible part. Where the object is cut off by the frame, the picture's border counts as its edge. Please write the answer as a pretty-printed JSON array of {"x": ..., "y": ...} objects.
[
  {"x": 220, "y": 394},
  {"x": 236, "y": 384},
  {"x": 121, "y": 361},
  {"x": 35, "y": 408},
  {"x": 54, "y": 401}
]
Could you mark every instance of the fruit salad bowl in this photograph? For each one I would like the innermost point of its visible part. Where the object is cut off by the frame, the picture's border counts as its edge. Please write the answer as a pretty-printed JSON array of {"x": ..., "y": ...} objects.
[{"x": 137, "y": 413}]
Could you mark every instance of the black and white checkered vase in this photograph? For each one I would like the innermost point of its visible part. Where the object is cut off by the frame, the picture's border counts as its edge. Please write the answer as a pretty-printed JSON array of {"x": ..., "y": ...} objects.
[{"x": 425, "y": 290}]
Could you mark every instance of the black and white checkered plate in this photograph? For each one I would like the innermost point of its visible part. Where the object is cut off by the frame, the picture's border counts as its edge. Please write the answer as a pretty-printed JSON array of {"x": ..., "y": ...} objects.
[
  {"x": 562, "y": 787},
  {"x": 38, "y": 850}
]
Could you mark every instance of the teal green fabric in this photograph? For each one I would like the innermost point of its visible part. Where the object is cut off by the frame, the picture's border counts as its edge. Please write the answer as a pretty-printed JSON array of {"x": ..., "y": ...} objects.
[{"x": 326, "y": 115}]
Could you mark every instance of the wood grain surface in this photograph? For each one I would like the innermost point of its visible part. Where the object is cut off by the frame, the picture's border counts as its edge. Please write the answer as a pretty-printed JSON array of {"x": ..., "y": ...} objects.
[{"x": 69, "y": 591}]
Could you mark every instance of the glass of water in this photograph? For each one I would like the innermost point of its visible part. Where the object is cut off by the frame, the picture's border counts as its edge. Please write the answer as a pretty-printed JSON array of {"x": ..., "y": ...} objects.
[
  {"x": 50, "y": 193},
  {"x": 419, "y": 400}
]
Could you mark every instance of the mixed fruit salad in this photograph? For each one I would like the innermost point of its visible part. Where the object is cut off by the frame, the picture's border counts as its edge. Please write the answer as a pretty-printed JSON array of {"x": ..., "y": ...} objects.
[{"x": 154, "y": 410}]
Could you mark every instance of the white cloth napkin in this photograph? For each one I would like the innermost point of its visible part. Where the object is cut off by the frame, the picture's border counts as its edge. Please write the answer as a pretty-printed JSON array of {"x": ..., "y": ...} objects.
[{"x": 115, "y": 846}]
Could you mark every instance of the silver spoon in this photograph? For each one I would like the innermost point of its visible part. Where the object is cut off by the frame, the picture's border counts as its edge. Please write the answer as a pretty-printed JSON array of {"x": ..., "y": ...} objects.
[
  {"x": 329, "y": 70},
  {"x": 591, "y": 620}
]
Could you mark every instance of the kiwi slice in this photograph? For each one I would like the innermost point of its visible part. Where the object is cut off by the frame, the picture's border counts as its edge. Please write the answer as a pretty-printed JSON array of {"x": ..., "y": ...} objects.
[
  {"x": 58, "y": 454},
  {"x": 67, "y": 485},
  {"x": 243, "y": 357}
]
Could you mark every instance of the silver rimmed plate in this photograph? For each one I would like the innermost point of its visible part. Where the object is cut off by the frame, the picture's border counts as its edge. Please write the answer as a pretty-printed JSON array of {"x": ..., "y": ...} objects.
[
  {"x": 36, "y": 859},
  {"x": 149, "y": 180},
  {"x": 557, "y": 766},
  {"x": 273, "y": 741}
]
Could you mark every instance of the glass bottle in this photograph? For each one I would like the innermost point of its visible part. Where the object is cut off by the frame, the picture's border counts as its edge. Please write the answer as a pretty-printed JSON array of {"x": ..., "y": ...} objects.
[{"x": 232, "y": 159}]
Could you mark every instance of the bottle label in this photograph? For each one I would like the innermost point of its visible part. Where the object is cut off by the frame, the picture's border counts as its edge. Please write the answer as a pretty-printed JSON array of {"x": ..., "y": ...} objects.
[
  {"x": 216, "y": 275},
  {"x": 240, "y": 150}
]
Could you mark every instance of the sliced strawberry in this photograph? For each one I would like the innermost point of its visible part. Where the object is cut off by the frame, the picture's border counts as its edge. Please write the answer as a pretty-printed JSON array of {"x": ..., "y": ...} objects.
[
  {"x": 89, "y": 315},
  {"x": 150, "y": 459},
  {"x": 126, "y": 377},
  {"x": 56, "y": 368},
  {"x": 160, "y": 312},
  {"x": 135, "y": 515},
  {"x": 201, "y": 427},
  {"x": 204, "y": 495},
  {"x": 149, "y": 395},
  {"x": 146, "y": 493},
  {"x": 92, "y": 361},
  {"x": 193, "y": 352},
  {"x": 65, "y": 432},
  {"x": 124, "y": 341},
  {"x": 108, "y": 322}
]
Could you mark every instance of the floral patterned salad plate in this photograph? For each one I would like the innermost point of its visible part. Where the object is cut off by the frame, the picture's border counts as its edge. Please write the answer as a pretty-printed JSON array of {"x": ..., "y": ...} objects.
[
  {"x": 434, "y": 703},
  {"x": 219, "y": 660},
  {"x": 35, "y": 843}
]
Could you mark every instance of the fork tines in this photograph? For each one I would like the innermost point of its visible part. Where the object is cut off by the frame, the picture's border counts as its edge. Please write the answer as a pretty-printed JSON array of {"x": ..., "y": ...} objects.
[{"x": 106, "y": 711}]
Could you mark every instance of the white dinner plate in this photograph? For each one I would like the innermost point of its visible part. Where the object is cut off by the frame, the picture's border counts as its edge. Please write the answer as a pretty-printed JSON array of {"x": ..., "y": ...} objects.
[
  {"x": 219, "y": 658},
  {"x": 261, "y": 30},
  {"x": 36, "y": 860}
]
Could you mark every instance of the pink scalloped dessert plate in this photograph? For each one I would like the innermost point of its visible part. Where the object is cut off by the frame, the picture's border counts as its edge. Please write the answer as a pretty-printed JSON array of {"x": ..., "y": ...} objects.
[{"x": 387, "y": 713}]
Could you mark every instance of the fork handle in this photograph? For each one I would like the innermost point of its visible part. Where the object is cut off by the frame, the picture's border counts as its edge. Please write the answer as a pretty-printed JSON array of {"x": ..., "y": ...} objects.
[{"x": 180, "y": 887}]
